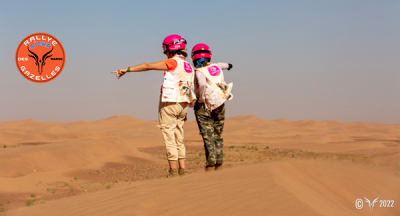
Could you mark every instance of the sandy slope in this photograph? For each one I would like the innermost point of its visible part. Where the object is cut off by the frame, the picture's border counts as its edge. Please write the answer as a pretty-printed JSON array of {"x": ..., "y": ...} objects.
[
  {"x": 287, "y": 188},
  {"x": 310, "y": 168}
]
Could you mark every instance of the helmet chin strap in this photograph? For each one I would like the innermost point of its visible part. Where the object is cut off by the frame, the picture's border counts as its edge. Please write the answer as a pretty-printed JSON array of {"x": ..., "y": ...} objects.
[{"x": 167, "y": 51}]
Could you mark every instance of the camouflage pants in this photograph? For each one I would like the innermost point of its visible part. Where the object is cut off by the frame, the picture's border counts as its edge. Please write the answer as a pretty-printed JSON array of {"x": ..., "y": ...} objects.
[{"x": 211, "y": 125}]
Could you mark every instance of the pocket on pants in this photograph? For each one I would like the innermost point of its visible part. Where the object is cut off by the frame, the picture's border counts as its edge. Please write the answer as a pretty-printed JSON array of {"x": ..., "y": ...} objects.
[{"x": 164, "y": 126}]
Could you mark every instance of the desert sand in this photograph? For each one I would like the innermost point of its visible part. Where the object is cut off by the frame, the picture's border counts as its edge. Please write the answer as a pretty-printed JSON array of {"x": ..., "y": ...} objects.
[{"x": 117, "y": 166}]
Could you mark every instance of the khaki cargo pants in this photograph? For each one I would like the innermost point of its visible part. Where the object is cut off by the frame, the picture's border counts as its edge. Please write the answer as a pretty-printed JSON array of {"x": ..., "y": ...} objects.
[{"x": 171, "y": 116}]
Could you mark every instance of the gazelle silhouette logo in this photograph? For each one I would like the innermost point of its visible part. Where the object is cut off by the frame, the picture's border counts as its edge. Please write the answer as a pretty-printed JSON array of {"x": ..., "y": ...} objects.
[
  {"x": 40, "y": 57},
  {"x": 371, "y": 205}
]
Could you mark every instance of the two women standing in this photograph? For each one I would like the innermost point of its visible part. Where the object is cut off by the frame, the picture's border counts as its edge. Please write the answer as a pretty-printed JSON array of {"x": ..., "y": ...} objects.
[{"x": 179, "y": 91}]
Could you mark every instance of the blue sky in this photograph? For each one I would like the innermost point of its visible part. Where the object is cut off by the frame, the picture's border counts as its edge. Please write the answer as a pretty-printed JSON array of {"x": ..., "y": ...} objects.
[{"x": 298, "y": 60}]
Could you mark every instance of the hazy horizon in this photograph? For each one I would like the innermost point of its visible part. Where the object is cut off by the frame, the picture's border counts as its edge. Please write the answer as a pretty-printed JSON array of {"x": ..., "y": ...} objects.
[
  {"x": 299, "y": 60},
  {"x": 193, "y": 119}
]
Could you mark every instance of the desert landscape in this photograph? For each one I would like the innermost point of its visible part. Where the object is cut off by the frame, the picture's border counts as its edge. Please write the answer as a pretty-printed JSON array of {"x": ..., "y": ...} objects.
[{"x": 117, "y": 166}]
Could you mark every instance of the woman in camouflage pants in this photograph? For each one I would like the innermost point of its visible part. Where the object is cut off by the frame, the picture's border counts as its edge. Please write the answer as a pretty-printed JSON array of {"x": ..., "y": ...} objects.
[{"x": 209, "y": 109}]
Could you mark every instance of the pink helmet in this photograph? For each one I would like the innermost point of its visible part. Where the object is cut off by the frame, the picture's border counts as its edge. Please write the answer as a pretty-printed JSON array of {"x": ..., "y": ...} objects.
[
  {"x": 174, "y": 42},
  {"x": 201, "y": 51}
]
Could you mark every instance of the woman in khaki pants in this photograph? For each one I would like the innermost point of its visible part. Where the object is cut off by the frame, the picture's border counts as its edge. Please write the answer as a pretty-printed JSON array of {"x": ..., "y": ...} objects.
[{"x": 176, "y": 94}]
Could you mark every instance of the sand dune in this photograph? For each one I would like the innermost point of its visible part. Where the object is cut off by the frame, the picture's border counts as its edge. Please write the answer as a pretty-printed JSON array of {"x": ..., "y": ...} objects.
[
  {"x": 115, "y": 166},
  {"x": 287, "y": 188}
]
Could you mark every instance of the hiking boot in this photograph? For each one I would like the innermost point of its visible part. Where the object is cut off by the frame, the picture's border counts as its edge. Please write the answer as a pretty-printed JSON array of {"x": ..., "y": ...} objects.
[
  {"x": 218, "y": 167},
  {"x": 182, "y": 172},
  {"x": 209, "y": 168},
  {"x": 173, "y": 173}
]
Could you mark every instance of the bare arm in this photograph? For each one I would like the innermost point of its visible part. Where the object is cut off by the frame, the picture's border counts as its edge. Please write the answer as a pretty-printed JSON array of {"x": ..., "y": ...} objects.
[{"x": 161, "y": 65}]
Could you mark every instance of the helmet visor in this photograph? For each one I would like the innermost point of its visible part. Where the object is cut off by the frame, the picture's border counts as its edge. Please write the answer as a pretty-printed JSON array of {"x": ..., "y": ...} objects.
[
  {"x": 200, "y": 51},
  {"x": 179, "y": 41}
]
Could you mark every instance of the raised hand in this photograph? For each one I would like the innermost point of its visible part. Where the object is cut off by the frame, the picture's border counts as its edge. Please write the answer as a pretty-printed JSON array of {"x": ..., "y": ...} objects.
[{"x": 230, "y": 66}]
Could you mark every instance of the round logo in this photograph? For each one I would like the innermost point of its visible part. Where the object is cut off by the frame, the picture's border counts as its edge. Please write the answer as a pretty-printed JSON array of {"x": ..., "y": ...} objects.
[
  {"x": 214, "y": 71},
  {"x": 40, "y": 57},
  {"x": 188, "y": 68}
]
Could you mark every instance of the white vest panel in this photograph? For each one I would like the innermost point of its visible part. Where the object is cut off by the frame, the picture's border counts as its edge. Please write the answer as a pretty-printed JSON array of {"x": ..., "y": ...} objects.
[
  {"x": 217, "y": 91},
  {"x": 178, "y": 83}
]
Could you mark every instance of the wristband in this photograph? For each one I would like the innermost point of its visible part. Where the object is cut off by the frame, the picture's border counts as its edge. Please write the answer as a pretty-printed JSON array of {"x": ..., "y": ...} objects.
[{"x": 127, "y": 70}]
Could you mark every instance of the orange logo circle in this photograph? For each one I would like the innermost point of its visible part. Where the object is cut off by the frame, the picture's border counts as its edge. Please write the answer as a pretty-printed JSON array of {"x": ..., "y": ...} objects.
[{"x": 40, "y": 57}]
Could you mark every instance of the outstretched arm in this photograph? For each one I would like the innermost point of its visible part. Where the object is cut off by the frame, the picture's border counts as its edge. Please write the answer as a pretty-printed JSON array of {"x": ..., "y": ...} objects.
[{"x": 161, "y": 65}]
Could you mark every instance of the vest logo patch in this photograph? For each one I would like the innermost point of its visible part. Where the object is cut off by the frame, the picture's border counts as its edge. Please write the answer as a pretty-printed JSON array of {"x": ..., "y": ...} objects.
[
  {"x": 40, "y": 57},
  {"x": 214, "y": 71},
  {"x": 188, "y": 68}
]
